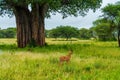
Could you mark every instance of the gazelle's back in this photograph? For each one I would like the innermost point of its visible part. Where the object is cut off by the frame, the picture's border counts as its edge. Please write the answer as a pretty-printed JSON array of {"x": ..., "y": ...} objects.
[{"x": 66, "y": 58}]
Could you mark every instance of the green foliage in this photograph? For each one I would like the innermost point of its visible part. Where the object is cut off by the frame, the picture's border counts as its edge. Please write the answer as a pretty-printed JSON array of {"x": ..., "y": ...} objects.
[
  {"x": 111, "y": 12},
  {"x": 47, "y": 33},
  {"x": 85, "y": 33},
  {"x": 8, "y": 33},
  {"x": 99, "y": 21},
  {"x": 65, "y": 7},
  {"x": 54, "y": 33},
  {"x": 64, "y": 32},
  {"x": 103, "y": 31},
  {"x": 5, "y": 9}
]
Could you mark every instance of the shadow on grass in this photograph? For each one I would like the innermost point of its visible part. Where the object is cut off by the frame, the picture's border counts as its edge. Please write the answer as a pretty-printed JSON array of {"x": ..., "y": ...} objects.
[
  {"x": 51, "y": 48},
  {"x": 47, "y": 48}
]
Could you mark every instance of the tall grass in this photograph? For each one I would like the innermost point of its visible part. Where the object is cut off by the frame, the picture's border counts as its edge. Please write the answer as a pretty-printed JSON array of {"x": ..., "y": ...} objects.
[{"x": 90, "y": 61}]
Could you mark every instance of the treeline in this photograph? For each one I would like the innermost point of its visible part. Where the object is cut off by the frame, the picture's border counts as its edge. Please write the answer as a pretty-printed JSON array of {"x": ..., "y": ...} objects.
[
  {"x": 101, "y": 31},
  {"x": 8, "y": 33},
  {"x": 69, "y": 32}
]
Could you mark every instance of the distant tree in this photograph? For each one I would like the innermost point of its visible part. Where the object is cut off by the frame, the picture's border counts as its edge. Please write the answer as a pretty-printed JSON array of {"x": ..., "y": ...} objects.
[
  {"x": 11, "y": 32},
  {"x": 8, "y": 33},
  {"x": 103, "y": 32},
  {"x": 68, "y": 32},
  {"x": 112, "y": 12},
  {"x": 85, "y": 33},
  {"x": 104, "y": 28},
  {"x": 47, "y": 33},
  {"x": 2, "y": 34},
  {"x": 30, "y": 22},
  {"x": 92, "y": 32},
  {"x": 99, "y": 21},
  {"x": 64, "y": 32},
  {"x": 54, "y": 33}
]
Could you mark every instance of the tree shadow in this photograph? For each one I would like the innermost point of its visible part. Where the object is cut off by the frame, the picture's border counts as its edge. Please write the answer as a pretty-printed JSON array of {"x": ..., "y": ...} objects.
[{"x": 44, "y": 49}]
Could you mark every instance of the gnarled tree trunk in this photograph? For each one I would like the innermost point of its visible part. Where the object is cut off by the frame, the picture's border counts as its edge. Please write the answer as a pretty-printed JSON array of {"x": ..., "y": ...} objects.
[
  {"x": 24, "y": 28},
  {"x": 30, "y": 25},
  {"x": 38, "y": 15}
]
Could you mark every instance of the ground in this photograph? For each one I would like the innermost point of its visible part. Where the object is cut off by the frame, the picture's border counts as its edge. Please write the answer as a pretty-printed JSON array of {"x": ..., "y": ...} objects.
[{"x": 91, "y": 60}]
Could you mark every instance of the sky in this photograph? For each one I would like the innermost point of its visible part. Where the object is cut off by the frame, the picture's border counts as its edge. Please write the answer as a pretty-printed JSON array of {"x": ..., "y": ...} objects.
[{"x": 56, "y": 20}]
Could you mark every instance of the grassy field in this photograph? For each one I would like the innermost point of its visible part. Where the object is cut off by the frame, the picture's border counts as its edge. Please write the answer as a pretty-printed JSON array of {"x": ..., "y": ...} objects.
[{"x": 91, "y": 60}]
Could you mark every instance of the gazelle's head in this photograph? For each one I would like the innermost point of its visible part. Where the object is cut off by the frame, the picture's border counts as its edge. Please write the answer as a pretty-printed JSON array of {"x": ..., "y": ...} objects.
[{"x": 70, "y": 51}]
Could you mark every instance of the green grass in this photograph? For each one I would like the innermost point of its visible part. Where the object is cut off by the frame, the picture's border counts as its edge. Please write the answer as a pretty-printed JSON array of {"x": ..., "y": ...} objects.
[{"x": 91, "y": 61}]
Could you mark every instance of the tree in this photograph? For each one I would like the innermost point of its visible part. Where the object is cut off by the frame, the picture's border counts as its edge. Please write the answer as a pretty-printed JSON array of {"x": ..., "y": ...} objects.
[
  {"x": 85, "y": 33},
  {"x": 54, "y": 33},
  {"x": 104, "y": 29},
  {"x": 64, "y": 32},
  {"x": 11, "y": 32},
  {"x": 30, "y": 22},
  {"x": 68, "y": 32},
  {"x": 47, "y": 33},
  {"x": 8, "y": 33},
  {"x": 112, "y": 12},
  {"x": 2, "y": 34},
  {"x": 103, "y": 32}
]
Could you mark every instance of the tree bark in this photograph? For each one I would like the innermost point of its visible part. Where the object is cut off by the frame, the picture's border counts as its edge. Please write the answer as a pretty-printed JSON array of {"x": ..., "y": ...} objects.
[
  {"x": 119, "y": 37},
  {"x": 38, "y": 15},
  {"x": 30, "y": 25},
  {"x": 24, "y": 28}
]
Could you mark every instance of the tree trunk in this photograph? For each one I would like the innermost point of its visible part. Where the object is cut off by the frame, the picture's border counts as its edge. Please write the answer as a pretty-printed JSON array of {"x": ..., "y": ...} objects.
[
  {"x": 30, "y": 25},
  {"x": 38, "y": 14},
  {"x": 24, "y": 29},
  {"x": 119, "y": 37}
]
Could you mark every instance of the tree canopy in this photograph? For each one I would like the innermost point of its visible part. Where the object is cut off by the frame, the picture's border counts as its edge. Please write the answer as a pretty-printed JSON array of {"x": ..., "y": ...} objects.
[
  {"x": 65, "y": 7},
  {"x": 103, "y": 31},
  {"x": 64, "y": 32},
  {"x": 8, "y": 33},
  {"x": 85, "y": 33}
]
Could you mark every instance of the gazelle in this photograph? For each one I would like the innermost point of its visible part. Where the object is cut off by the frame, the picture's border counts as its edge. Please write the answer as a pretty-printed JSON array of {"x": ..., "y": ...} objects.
[{"x": 67, "y": 57}]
